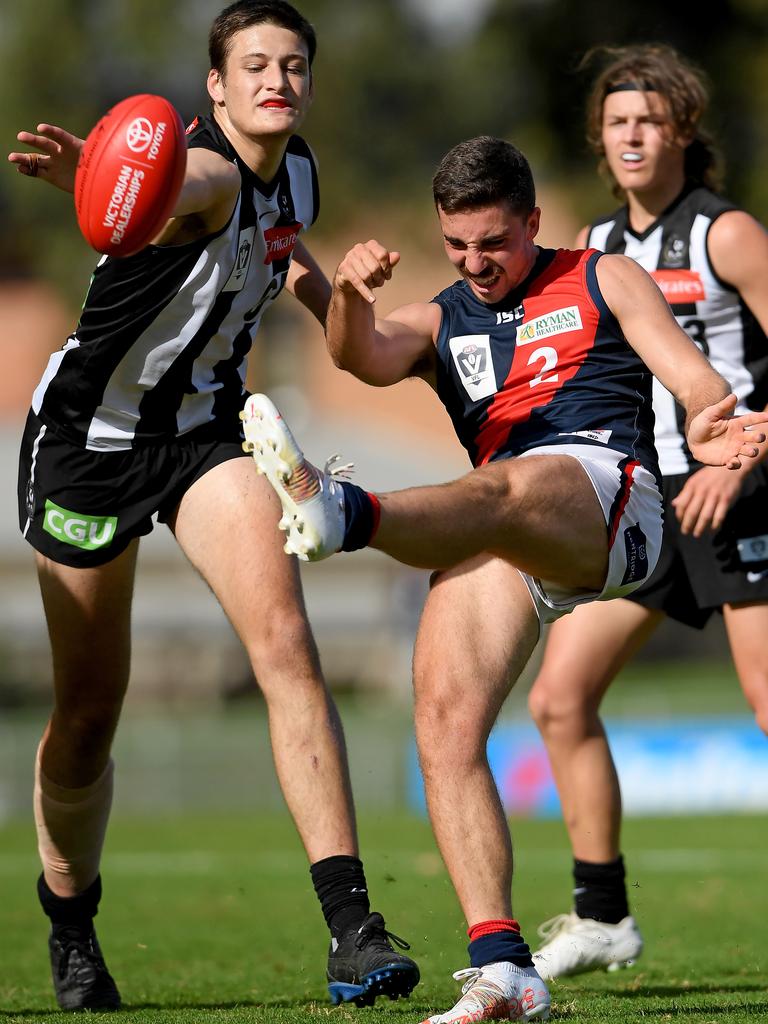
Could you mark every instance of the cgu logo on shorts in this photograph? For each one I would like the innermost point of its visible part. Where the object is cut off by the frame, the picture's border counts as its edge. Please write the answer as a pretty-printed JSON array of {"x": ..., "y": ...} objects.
[{"x": 87, "y": 532}]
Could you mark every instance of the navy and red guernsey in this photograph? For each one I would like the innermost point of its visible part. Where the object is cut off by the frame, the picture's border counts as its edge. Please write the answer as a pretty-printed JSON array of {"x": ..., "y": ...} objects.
[{"x": 547, "y": 365}]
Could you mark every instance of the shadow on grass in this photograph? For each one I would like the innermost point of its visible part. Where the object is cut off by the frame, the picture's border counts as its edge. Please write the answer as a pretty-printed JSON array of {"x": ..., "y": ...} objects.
[{"x": 310, "y": 1007}]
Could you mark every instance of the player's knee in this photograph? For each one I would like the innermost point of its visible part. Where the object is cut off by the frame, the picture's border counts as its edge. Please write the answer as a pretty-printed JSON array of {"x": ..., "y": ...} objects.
[
  {"x": 557, "y": 712},
  {"x": 448, "y": 730},
  {"x": 86, "y": 729}
]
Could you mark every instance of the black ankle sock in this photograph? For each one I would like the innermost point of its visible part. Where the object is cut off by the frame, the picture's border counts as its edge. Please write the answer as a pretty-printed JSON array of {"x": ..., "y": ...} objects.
[
  {"x": 600, "y": 890},
  {"x": 78, "y": 910},
  {"x": 342, "y": 890},
  {"x": 359, "y": 517},
  {"x": 500, "y": 946}
]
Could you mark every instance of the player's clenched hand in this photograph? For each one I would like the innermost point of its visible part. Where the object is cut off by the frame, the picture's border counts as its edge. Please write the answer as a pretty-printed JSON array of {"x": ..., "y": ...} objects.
[
  {"x": 56, "y": 160},
  {"x": 365, "y": 267},
  {"x": 707, "y": 495},
  {"x": 717, "y": 438}
]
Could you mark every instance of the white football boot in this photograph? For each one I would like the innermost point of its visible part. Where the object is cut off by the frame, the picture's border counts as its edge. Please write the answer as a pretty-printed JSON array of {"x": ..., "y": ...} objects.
[
  {"x": 573, "y": 945},
  {"x": 499, "y": 991},
  {"x": 312, "y": 500}
]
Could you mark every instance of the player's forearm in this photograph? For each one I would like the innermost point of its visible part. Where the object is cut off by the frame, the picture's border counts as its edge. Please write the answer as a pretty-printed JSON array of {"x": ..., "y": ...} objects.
[{"x": 350, "y": 330}]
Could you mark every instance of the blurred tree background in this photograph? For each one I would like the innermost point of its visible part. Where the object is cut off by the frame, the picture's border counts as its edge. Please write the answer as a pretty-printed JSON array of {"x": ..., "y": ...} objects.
[{"x": 398, "y": 82}]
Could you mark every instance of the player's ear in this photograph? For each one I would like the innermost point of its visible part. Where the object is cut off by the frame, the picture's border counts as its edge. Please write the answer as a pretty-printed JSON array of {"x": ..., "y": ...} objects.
[
  {"x": 534, "y": 220},
  {"x": 215, "y": 86}
]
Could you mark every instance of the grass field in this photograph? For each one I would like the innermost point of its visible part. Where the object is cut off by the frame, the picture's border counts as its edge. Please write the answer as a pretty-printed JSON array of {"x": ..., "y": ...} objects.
[{"x": 214, "y": 919}]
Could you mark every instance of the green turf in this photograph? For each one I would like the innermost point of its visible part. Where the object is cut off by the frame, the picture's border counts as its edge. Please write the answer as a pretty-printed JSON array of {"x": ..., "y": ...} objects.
[{"x": 214, "y": 919}]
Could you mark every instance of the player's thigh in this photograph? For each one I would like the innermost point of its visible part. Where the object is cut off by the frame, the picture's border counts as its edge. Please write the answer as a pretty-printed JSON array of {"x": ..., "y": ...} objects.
[
  {"x": 88, "y": 612},
  {"x": 585, "y": 650},
  {"x": 226, "y": 523},
  {"x": 557, "y": 526},
  {"x": 477, "y": 631}
]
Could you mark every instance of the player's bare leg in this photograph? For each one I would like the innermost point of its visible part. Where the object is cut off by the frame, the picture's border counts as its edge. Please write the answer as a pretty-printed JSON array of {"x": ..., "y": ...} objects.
[
  {"x": 259, "y": 589},
  {"x": 539, "y": 512},
  {"x": 747, "y": 625},
  {"x": 584, "y": 652},
  {"x": 477, "y": 632},
  {"x": 88, "y": 616}
]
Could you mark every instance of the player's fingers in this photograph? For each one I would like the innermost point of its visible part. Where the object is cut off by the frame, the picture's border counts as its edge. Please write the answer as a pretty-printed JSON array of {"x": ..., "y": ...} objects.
[
  {"x": 26, "y": 163},
  {"x": 719, "y": 513},
  {"x": 352, "y": 276},
  {"x": 689, "y": 516},
  {"x": 705, "y": 517}
]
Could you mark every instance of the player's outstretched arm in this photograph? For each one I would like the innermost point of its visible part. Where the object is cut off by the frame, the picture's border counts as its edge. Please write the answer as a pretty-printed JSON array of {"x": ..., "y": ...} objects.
[
  {"x": 377, "y": 351},
  {"x": 55, "y": 156},
  {"x": 714, "y": 436}
]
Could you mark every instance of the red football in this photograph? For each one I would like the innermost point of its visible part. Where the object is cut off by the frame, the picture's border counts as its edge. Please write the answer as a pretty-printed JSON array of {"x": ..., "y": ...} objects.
[{"x": 130, "y": 174}]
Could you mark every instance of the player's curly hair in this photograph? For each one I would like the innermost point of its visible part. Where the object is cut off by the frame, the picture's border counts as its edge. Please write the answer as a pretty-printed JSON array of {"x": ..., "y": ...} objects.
[
  {"x": 244, "y": 13},
  {"x": 656, "y": 67},
  {"x": 481, "y": 172}
]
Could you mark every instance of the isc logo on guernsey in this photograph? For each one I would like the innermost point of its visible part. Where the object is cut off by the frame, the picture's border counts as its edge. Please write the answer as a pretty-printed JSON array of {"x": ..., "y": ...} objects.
[{"x": 86, "y": 532}]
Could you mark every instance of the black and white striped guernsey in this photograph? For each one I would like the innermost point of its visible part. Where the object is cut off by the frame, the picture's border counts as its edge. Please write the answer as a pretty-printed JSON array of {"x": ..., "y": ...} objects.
[
  {"x": 161, "y": 343},
  {"x": 674, "y": 251}
]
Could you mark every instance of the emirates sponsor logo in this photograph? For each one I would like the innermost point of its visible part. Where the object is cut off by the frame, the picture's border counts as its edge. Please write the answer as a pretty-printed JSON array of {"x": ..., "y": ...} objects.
[
  {"x": 680, "y": 286},
  {"x": 281, "y": 241}
]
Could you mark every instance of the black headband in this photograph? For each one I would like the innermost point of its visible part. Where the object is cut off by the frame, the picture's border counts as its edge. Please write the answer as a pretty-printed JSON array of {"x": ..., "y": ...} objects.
[{"x": 630, "y": 87}]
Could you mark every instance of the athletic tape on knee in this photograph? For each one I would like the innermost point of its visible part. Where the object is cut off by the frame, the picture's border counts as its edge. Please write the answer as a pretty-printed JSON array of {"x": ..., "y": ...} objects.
[{"x": 71, "y": 825}]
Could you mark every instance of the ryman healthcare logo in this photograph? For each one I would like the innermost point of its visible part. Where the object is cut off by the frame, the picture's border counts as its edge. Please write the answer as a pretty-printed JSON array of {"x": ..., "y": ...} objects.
[{"x": 557, "y": 322}]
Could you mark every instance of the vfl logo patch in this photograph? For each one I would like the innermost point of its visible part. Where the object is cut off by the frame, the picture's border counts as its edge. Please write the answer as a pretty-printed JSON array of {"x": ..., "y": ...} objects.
[
  {"x": 636, "y": 555},
  {"x": 87, "y": 532},
  {"x": 242, "y": 261},
  {"x": 472, "y": 356},
  {"x": 753, "y": 549},
  {"x": 557, "y": 322}
]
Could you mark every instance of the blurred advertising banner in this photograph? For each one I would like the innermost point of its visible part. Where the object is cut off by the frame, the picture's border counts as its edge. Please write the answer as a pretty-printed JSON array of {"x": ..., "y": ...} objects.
[{"x": 685, "y": 766}]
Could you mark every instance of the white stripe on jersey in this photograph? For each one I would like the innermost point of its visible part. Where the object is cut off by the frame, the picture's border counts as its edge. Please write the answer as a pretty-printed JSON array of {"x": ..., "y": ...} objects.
[{"x": 50, "y": 372}]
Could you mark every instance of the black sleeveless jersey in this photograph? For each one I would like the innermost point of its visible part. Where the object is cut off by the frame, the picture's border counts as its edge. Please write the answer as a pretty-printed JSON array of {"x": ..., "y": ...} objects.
[
  {"x": 674, "y": 251},
  {"x": 548, "y": 365},
  {"x": 163, "y": 335}
]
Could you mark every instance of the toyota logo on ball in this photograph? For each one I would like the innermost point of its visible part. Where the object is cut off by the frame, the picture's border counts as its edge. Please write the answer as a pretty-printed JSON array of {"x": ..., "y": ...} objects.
[{"x": 139, "y": 134}]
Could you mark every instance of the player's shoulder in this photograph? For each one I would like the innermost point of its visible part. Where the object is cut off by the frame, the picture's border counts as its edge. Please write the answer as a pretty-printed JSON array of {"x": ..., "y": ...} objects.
[
  {"x": 297, "y": 146},
  {"x": 703, "y": 200},
  {"x": 204, "y": 133}
]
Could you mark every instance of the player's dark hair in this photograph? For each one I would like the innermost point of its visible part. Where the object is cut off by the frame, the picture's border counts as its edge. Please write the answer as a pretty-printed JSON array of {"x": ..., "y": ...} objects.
[
  {"x": 482, "y": 172},
  {"x": 655, "y": 67},
  {"x": 245, "y": 13}
]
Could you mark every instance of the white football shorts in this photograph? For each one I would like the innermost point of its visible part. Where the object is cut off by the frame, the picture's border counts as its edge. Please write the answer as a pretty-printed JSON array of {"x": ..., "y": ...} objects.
[{"x": 631, "y": 502}]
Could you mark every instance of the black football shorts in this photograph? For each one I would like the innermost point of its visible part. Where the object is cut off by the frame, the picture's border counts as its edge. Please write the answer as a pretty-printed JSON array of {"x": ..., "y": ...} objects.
[
  {"x": 694, "y": 577},
  {"x": 82, "y": 508}
]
